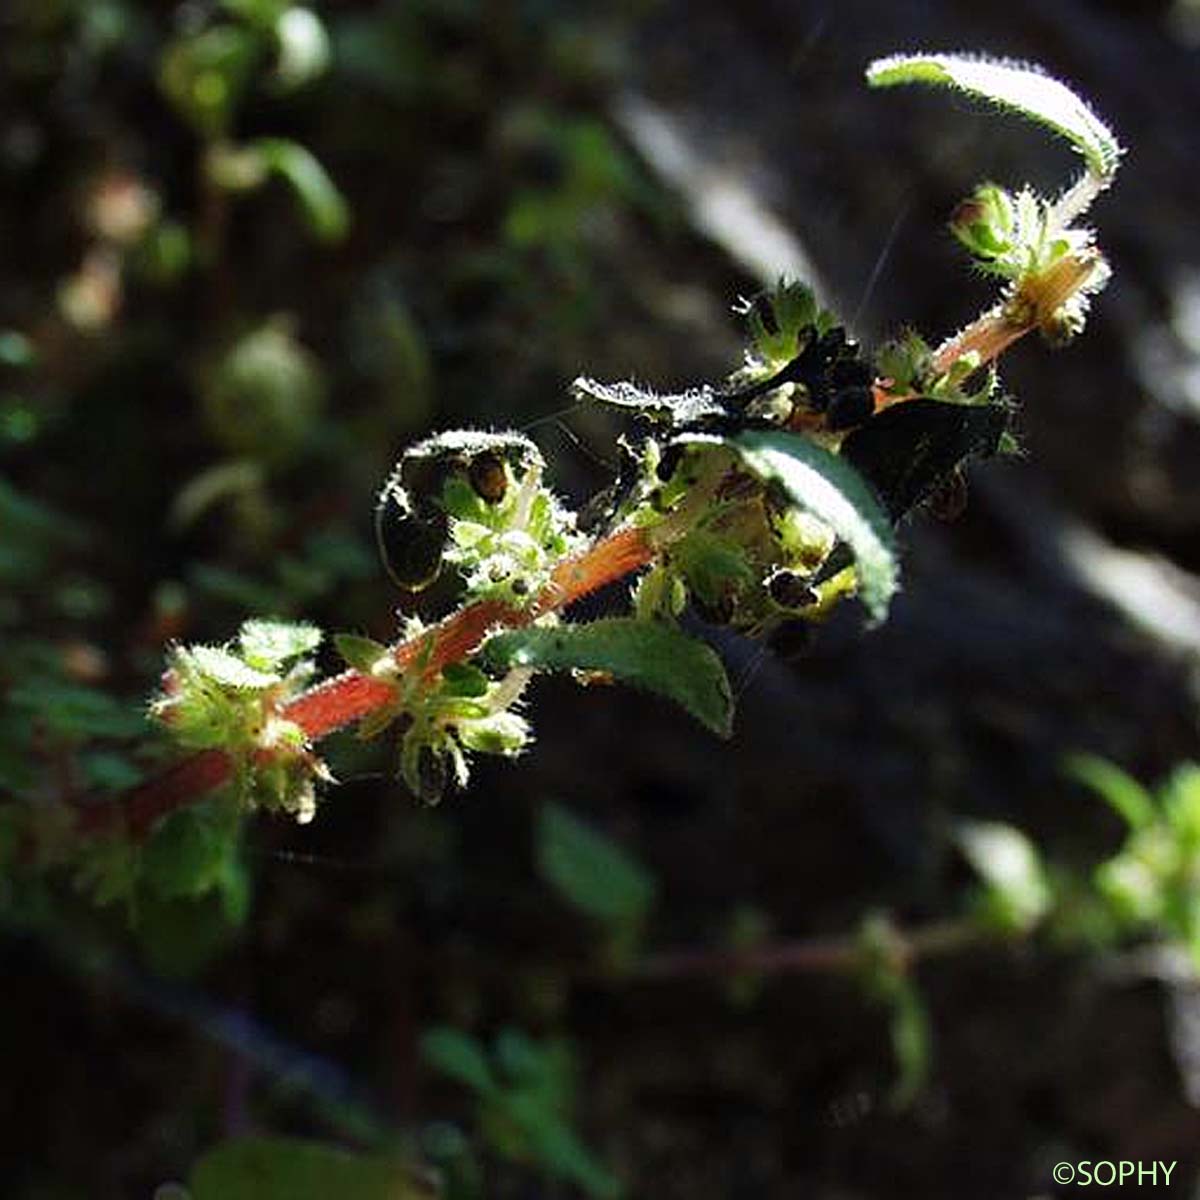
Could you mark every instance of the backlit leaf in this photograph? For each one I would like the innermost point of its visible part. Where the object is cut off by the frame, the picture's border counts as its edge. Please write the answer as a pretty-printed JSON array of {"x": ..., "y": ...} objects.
[{"x": 1021, "y": 87}]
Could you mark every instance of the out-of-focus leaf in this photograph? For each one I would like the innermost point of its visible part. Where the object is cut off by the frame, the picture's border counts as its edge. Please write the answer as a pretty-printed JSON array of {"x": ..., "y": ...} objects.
[
  {"x": 191, "y": 851},
  {"x": 263, "y": 13},
  {"x": 909, "y": 1028},
  {"x": 590, "y": 870},
  {"x": 222, "y": 481},
  {"x": 322, "y": 203},
  {"x": 263, "y": 398},
  {"x": 560, "y": 1150},
  {"x": 270, "y": 1168},
  {"x": 108, "y": 771},
  {"x": 1123, "y": 794},
  {"x": 75, "y": 710},
  {"x": 205, "y": 74},
  {"x": 1180, "y": 798},
  {"x": 180, "y": 937},
  {"x": 1017, "y": 888},
  {"x": 303, "y": 47},
  {"x": 459, "y": 1056},
  {"x": 16, "y": 350}
]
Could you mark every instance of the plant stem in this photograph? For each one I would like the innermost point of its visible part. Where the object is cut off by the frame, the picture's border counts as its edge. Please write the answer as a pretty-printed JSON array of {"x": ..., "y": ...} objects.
[
  {"x": 337, "y": 702},
  {"x": 835, "y": 955},
  {"x": 1035, "y": 303},
  {"x": 988, "y": 336},
  {"x": 348, "y": 697}
]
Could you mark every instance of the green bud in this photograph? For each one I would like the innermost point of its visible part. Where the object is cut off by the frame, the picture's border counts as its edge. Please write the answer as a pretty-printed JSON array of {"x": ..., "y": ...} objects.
[
  {"x": 502, "y": 733},
  {"x": 984, "y": 223},
  {"x": 364, "y": 654}
]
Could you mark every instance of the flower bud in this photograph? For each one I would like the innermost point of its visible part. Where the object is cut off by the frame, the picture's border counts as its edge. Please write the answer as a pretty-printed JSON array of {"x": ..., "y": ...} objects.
[{"x": 984, "y": 223}]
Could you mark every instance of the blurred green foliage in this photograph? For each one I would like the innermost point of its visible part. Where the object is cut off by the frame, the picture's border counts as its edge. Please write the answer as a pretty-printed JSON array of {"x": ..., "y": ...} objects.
[
  {"x": 525, "y": 1092},
  {"x": 290, "y": 1169}
]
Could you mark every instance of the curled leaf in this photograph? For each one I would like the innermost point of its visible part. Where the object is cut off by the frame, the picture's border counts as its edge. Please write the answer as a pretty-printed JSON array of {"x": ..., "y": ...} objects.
[
  {"x": 1021, "y": 87},
  {"x": 322, "y": 203},
  {"x": 829, "y": 488}
]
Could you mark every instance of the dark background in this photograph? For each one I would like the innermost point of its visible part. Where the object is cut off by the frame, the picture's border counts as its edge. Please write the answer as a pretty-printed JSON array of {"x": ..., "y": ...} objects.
[{"x": 509, "y": 231}]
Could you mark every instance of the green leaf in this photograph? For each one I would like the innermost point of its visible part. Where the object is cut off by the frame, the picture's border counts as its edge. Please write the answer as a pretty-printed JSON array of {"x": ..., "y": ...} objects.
[
  {"x": 1179, "y": 795},
  {"x": 271, "y": 1168},
  {"x": 591, "y": 870},
  {"x": 1020, "y": 87},
  {"x": 269, "y": 644},
  {"x": 108, "y": 771},
  {"x": 226, "y": 669},
  {"x": 179, "y": 938},
  {"x": 458, "y": 1056},
  {"x": 833, "y": 491},
  {"x": 323, "y": 205},
  {"x": 656, "y": 657},
  {"x": 462, "y": 679},
  {"x": 1123, "y": 794},
  {"x": 560, "y": 1150},
  {"x": 191, "y": 851},
  {"x": 205, "y": 75},
  {"x": 677, "y": 408},
  {"x": 910, "y": 1035},
  {"x": 1018, "y": 893},
  {"x": 361, "y": 653},
  {"x": 263, "y": 13},
  {"x": 76, "y": 711}
]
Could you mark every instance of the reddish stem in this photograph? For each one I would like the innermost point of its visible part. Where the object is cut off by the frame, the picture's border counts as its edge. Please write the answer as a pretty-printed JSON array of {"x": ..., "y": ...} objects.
[
  {"x": 350, "y": 696},
  {"x": 346, "y": 698}
]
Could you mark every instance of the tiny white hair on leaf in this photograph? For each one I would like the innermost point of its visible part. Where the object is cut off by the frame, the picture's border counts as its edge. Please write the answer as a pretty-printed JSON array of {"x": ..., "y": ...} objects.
[{"x": 1021, "y": 87}]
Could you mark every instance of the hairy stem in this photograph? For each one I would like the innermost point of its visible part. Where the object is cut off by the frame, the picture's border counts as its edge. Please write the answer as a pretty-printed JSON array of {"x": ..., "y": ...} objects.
[
  {"x": 1034, "y": 304},
  {"x": 343, "y": 699}
]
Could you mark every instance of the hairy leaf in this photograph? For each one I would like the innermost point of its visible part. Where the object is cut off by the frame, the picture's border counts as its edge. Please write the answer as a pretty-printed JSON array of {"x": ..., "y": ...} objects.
[
  {"x": 680, "y": 408},
  {"x": 226, "y": 669},
  {"x": 658, "y": 658},
  {"x": 1021, "y": 87},
  {"x": 823, "y": 484},
  {"x": 268, "y": 644}
]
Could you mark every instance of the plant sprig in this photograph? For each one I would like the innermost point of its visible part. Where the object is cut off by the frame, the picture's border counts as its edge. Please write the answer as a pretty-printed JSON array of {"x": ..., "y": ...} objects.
[{"x": 762, "y": 502}]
